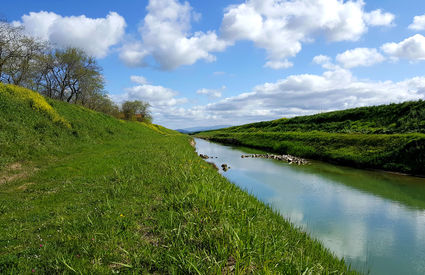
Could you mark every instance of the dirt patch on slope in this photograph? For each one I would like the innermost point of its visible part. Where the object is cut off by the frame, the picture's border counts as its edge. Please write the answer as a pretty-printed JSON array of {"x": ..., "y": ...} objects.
[
  {"x": 24, "y": 186},
  {"x": 15, "y": 171}
]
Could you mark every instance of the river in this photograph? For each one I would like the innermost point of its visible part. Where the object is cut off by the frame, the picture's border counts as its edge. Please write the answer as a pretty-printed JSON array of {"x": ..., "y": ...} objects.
[{"x": 374, "y": 219}]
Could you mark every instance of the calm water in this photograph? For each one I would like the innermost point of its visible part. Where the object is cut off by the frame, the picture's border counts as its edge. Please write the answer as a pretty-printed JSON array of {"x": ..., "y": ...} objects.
[{"x": 375, "y": 220}]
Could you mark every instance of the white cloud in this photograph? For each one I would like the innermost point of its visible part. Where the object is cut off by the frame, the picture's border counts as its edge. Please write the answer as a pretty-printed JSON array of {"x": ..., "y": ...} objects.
[
  {"x": 379, "y": 18},
  {"x": 412, "y": 48},
  {"x": 213, "y": 93},
  {"x": 359, "y": 57},
  {"x": 333, "y": 90},
  {"x": 418, "y": 23},
  {"x": 325, "y": 61},
  {"x": 280, "y": 27},
  {"x": 162, "y": 100},
  {"x": 94, "y": 35},
  {"x": 166, "y": 36},
  {"x": 139, "y": 79},
  {"x": 133, "y": 54},
  {"x": 322, "y": 59},
  {"x": 278, "y": 64},
  {"x": 157, "y": 96}
]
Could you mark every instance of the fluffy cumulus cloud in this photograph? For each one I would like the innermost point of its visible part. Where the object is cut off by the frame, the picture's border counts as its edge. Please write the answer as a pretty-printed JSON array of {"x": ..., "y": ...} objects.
[
  {"x": 166, "y": 35},
  {"x": 133, "y": 54},
  {"x": 162, "y": 100},
  {"x": 418, "y": 23},
  {"x": 94, "y": 35},
  {"x": 322, "y": 59},
  {"x": 157, "y": 96},
  {"x": 212, "y": 93},
  {"x": 412, "y": 48},
  {"x": 280, "y": 27},
  {"x": 359, "y": 57},
  {"x": 379, "y": 18},
  {"x": 333, "y": 90},
  {"x": 326, "y": 62}
]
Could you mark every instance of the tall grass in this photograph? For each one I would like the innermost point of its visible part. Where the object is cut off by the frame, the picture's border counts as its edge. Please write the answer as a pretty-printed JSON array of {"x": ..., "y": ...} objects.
[{"x": 108, "y": 196}]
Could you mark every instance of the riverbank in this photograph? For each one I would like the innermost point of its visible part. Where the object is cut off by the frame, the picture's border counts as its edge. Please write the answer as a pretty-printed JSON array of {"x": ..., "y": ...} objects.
[
  {"x": 84, "y": 192},
  {"x": 388, "y": 137}
]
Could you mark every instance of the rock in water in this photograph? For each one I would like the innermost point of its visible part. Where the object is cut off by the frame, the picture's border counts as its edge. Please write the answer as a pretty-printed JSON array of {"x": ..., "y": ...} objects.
[
  {"x": 204, "y": 156},
  {"x": 290, "y": 159}
]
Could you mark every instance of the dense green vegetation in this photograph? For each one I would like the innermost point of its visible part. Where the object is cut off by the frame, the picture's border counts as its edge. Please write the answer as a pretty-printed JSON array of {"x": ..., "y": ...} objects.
[
  {"x": 83, "y": 192},
  {"x": 390, "y": 137}
]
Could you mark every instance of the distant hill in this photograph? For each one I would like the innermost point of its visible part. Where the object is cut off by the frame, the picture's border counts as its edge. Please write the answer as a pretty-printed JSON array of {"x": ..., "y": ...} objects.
[{"x": 201, "y": 128}]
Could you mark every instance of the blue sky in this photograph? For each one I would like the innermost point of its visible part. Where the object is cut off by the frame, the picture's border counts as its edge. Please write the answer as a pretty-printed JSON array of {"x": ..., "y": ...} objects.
[{"x": 232, "y": 62}]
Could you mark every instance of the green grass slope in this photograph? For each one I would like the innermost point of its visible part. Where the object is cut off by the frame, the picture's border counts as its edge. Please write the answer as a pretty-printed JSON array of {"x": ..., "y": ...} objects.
[
  {"x": 82, "y": 192},
  {"x": 390, "y": 137}
]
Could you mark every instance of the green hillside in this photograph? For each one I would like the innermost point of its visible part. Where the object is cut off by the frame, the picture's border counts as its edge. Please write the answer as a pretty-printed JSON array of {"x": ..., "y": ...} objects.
[
  {"x": 83, "y": 192},
  {"x": 390, "y": 137}
]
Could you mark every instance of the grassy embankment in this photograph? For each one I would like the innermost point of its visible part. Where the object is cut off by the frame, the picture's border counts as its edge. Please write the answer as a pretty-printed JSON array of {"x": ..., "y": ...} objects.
[
  {"x": 390, "y": 137},
  {"x": 84, "y": 192}
]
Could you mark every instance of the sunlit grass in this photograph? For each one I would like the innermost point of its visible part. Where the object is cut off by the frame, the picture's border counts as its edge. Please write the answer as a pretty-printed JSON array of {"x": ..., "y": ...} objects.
[
  {"x": 35, "y": 100},
  {"x": 107, "y": 196}
]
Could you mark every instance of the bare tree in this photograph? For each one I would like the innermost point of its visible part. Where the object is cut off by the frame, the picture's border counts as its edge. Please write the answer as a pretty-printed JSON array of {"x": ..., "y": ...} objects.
[
  {"x": 22, "y": 71},
  {"x": 44, "y": 80},
  {"x": 65, "y": 74},
  {"x": 85, "y": 79},
  {"x": 10, "y": 47},
  {"x": 18, "y": 54}
]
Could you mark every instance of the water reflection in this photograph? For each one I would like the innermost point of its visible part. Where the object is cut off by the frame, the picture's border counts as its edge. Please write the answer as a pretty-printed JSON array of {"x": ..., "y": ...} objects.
[{"x": 375, "y": 220}]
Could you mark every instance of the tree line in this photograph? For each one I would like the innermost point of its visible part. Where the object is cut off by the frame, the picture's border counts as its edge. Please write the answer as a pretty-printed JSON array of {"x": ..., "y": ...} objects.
[{"x": 64, "y": 74}]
